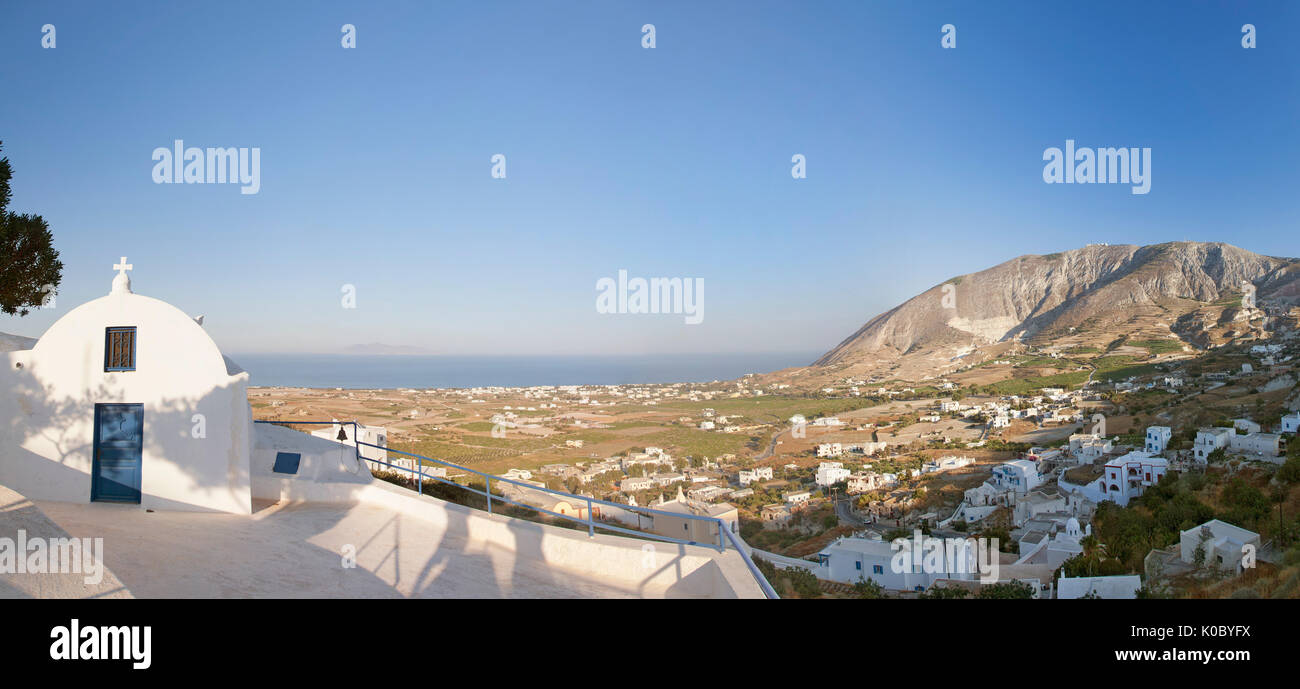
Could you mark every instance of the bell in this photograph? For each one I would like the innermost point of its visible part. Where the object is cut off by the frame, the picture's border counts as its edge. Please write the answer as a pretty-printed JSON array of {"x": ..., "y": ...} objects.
[{"x": 343, "y": 435}]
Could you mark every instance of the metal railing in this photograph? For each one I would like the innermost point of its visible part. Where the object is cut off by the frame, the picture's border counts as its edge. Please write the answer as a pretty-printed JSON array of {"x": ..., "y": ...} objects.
[{"x": 725, "y": 533}]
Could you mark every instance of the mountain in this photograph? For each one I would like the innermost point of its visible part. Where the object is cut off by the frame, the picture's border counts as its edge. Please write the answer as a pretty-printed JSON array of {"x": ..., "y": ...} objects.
[{"x": 1100, "y": 297}]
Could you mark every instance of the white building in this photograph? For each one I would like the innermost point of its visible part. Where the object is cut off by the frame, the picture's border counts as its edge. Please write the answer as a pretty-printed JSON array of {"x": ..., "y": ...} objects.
[
  {"x": 1017, "y": 476},
  {"x": 1128, "y": 476},
  {"x": 849, "y": 560},
  {"x": 1054, "y": 544},
  {"x": 1044, "y": 454},
  {"x": 748, "y": 476},
  {"x": 1223, "y": 544},
  {"x": 1124, "y": 586},
  {"x": 1158, "y": 439},
  {"x": 374, "y": 435},
  {"x": 865, "y": 482},
  {"x": 946, "y": 464},
  {"x": 1291, "y": 423},
  {"x": 830, "y": 473},
  {"x": 867, "y": 448},
  {"x": 798, "y": 498},
  {"x": 1210, "y": 439},
  {"x": 1037, "y": 503},
  {"x": 830, "y": 450},
  {"x": 1263, "y": 445},
  {"x": 636, "y": 483},
  {"x": 1246, "y": 426},
  {"x": 126, "y": 399}
]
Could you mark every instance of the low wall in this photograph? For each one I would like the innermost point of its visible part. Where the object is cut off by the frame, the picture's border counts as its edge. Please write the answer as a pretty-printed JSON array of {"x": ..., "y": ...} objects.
[{"x": 328, "y": 473}]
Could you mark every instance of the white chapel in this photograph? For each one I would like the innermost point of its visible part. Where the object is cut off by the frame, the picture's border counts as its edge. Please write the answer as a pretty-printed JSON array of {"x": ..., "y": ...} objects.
[{"x": 127, "y": 399}]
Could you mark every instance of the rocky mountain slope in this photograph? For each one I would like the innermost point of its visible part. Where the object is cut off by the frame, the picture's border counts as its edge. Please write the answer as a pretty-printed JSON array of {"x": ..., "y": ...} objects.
[{"x": 1194, "y": 294}]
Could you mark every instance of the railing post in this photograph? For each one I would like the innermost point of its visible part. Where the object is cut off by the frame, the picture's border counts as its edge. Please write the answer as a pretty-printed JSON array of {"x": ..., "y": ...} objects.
[
  {"x": 488, "y": 489},
  {"x": 591, "y": 524},
  {"x": 722, "y": 545},
  {"x": 419, "y": 472}
]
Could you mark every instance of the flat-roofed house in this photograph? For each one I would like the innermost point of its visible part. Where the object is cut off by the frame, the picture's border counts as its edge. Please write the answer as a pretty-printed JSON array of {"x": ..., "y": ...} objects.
[{"x": 1223, "y": 545}]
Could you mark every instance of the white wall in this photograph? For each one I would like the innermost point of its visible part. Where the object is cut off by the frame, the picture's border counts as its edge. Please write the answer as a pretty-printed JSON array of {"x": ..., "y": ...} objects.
[{"x": 48, "y": 409}]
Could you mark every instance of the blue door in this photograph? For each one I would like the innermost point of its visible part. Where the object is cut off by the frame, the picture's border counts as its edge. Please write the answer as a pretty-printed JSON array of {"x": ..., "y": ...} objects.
[{"x": 119, "y": 442}]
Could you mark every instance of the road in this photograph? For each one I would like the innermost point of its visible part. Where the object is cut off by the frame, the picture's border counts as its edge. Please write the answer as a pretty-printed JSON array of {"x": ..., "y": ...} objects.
[
  {"x": 844, "y": 510},
  {"x": 771, "y": 447}
]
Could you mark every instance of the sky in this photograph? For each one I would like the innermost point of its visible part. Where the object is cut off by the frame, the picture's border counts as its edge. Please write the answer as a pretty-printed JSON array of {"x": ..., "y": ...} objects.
[{"x": 922, "y": 162}]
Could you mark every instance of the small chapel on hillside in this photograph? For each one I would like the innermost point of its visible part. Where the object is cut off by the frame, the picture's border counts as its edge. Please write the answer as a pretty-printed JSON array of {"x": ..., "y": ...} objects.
[{"x": 127, "y": 399}]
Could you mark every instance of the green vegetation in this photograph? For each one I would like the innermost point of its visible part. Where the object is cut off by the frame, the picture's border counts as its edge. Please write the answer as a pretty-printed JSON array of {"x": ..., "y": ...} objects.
[
  {"x": 32, "y": 267},
  {"x": 1158, "y": 346},
  {"x": 1024, "y": 386},
  {"x": 693, "y": 441},
  {"x": 868, "y": 590},
  {"x": 791, "y": 582},
  {"x": 1121, "y": 367}
]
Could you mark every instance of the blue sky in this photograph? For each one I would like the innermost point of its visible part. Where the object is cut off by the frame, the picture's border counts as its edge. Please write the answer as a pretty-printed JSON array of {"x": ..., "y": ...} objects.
[{"x": 922, "y": 163}]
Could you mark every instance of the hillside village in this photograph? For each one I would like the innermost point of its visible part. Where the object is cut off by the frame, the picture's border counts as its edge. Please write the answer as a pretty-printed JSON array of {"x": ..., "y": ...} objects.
[{"x": 812, "y": 479}]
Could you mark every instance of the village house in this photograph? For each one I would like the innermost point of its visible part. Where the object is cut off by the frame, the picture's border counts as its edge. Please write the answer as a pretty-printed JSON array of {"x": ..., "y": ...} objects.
[
  {"x": 775, "y": 516},
  {"x": 1018, "y": 476},
  {"x": 1157, "y": 439},
  {"x": 830, "y": 473},
  {"x": 867, "y": 448},
  {"x": 636, "y": 484},
  {"x": 850, "y": 559},
  {"x": 1252, "y": 444},
  {"x": 798, "y": 499},
  {"x": 1210, "y": 439},
  {"x": 1263, "y": 445},
  {"x": 1222, "y": 545},
  {"x": 1039, "y": 503},
  {"x": 830, "y": 450},
  {"x": 708, "y": 493},
  {"x": 1126, "y": 477},
  {"x": 748, "y": 476},
  {"x": 1043, "y": 454},
  {"x": 1122, "y": 587},
  {"x": 680, "y": 524},
  {"x": 666, "y": 479},
  {"x": 562, "y": 471}
]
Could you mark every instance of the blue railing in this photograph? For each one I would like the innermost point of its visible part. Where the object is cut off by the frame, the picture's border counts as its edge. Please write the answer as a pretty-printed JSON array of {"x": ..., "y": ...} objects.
[{"x": 725, "y": 534}]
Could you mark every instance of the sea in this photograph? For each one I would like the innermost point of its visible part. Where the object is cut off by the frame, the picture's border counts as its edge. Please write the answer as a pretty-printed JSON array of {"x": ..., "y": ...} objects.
[{"x": 374, "y": 371}]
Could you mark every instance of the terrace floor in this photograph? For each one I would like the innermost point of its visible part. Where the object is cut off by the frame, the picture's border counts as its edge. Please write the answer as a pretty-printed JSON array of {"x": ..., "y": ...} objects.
[{"x": 296, "y": 551}]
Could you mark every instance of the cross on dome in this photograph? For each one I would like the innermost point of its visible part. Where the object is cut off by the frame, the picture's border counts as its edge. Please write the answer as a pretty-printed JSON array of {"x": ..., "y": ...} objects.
[{"x": 122, "y": 283}]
